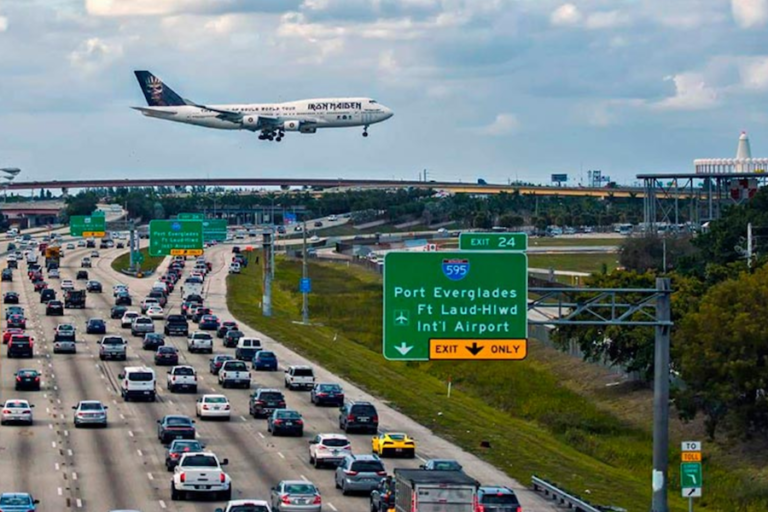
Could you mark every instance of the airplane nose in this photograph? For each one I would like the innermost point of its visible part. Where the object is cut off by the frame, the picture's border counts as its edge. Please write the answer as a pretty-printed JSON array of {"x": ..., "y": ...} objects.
[{"x": 388, "y": 113}]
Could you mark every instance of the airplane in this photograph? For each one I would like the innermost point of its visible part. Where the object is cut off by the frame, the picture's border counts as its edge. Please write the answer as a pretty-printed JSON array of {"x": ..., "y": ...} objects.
[{"x": 272, "y": 120}]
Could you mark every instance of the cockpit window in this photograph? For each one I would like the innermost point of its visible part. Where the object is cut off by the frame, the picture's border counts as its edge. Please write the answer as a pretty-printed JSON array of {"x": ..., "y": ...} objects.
[{"x": 372, "y": 101}]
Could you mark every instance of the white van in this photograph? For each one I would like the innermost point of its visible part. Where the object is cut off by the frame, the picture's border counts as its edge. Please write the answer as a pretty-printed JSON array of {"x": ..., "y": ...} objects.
[
  {"x": 234, "y": 268},
  {"x": 137, "y": 382}
]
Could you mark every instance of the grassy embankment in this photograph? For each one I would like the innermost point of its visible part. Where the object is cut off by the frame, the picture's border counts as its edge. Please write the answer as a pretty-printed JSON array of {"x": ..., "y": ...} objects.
[
  {"x": 122, "y": 262},
  {"x": 539, "y": 418},
  {"x": 576, "y": 262}
]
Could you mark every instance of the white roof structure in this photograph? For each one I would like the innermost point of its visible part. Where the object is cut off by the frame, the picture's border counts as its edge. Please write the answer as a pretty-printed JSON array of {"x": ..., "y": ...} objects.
[{"x": 743, "y": 163}]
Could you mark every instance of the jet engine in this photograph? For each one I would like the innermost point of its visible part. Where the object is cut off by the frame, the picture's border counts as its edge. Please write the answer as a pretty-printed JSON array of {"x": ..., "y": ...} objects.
[
  {"x": 308, "y": 129},
  {"x": 251, "y": 123},
  {"x": 291, "y": 126}
]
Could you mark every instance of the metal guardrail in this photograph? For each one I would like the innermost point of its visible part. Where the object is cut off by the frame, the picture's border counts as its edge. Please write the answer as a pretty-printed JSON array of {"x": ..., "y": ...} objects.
[{"x": 563, "y": 498}]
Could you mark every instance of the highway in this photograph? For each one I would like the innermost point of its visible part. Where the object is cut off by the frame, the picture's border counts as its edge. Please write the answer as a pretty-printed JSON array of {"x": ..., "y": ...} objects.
[{"x": 122, "y": 466}]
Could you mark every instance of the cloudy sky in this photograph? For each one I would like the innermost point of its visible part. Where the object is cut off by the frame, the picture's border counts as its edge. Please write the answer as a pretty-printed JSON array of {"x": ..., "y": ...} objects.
[{"x": 499, "y": 89}]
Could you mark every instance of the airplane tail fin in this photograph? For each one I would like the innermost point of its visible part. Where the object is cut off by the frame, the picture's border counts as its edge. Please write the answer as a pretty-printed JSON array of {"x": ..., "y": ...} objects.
[{"x": 156, "y": 92}]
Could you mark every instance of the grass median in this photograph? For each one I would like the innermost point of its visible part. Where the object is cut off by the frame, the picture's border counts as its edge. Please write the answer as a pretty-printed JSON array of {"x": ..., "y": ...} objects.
[
  {"x": 534, "y": 423},
  {"x": 149, "y": 265}
]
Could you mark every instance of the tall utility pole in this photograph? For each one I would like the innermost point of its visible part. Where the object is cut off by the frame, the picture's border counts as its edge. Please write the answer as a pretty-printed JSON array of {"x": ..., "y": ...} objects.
[
  {"x": 749, "y": 245},
  {"x": 266, "y": 301},
  {"x": 304, "y": 295},
  {"x": 131, "y": 245},
  {"x": 661, "y": 396}
]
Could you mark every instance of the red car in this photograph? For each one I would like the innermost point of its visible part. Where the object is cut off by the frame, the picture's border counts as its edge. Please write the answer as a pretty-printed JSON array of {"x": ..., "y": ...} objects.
[
  {"x": 10, "y": 332},
  {"x": 40, "y": 285}
]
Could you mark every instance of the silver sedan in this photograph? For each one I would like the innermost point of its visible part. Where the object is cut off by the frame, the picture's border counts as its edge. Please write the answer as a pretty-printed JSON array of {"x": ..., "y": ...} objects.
[
  {"x": 90, "y": 412},
  {"x": 16, "y": 410}
]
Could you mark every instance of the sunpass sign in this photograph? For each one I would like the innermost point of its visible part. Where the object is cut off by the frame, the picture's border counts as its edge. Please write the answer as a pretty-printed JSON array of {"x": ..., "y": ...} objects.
[{"x": 455, "y": 305}]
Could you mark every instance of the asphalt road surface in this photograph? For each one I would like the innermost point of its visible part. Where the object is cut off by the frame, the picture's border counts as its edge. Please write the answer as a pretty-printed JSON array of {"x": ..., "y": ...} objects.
[{"x": 122, "y": 466}]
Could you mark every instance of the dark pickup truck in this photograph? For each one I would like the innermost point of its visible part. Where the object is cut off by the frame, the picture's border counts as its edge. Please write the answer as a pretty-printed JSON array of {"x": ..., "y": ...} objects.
[
  {"x": 176, "y": 325},
  {"x": 75, "y": 299}
]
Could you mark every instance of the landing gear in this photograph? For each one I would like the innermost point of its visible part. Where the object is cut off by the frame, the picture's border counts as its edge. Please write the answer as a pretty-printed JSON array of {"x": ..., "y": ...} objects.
[{"x": 365, "y": 131}]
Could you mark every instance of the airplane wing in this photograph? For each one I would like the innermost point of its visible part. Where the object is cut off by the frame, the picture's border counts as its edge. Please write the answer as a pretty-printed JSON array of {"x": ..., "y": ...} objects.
[{"x": 229, "y": 115}]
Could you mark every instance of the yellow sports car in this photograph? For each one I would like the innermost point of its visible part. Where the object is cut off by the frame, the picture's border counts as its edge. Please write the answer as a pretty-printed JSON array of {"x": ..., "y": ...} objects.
[{"x": 393, "y": 444}]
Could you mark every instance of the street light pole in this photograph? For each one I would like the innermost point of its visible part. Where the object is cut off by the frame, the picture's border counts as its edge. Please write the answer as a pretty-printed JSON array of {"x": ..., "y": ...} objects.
[{"x": 304, "y": 294}]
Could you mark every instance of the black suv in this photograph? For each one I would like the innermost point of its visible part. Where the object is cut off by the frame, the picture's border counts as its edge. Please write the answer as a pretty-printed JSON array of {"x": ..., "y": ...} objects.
[
  {"x": 81, "y": 274},
  {"x": 264, "y": 401},
  {"x": 497, "y": 499},
  {"x": 47, "y": 294},
  {"x": 359, "y": 416},
  {"x": 176, "y": 325},
  {"x": 20, "y": 346},
  {"x": 54, "y": 307},
  {"x": 7, "y": 274}
]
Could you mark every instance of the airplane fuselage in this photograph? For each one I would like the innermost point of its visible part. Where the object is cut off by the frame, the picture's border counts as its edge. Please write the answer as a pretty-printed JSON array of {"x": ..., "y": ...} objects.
[{"x": 308, "y": 114}]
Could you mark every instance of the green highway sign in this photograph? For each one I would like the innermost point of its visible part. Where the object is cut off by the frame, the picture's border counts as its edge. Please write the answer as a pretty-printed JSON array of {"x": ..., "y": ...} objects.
[
  {"x": 493, "y": 241},
  {"x": 191, "y": 216},
  {"x": 98, "y": 213},
  {"x": 455, "y": 305},
  {"x": 691, "y": 479},
  {"x": 214, "y": 230},
  {"x": 87, "y": 225},
  {"x": 175, "y": 238}
]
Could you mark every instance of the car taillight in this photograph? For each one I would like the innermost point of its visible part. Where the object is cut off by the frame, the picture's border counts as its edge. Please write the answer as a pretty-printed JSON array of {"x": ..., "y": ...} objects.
[
  {"x": 375, "y": 419},
  {"x": 350, "y": 418},
  {"x": 222, "y": 477},
  {"x": 286, "y": 499},
  {"x": 37, "y": 379},
  {"x": 321, "y": 447},
  {"x": 321, "y": 394},
  {"x": 18, "y": 379},
  {"x": 317, "y": 500},
  {"x": 281, "y": 404},
  {"x": 299, "y": 422},
  {"x": 381, "y": 473},
  {"x": 174, "y": 455},
  {"x": 350, "y": 472},
  {"x": 480, "y": 508},
  {"x": 226, "y": 407},
  {"x": 519, "y": 509},
  {"x": 205, "y": 407},
  {"x": 259, "y": 402},
  {"x": 6, "y": 411},
  {"x": 183, "y": 478},
  {"x": 277, "y": 422}
]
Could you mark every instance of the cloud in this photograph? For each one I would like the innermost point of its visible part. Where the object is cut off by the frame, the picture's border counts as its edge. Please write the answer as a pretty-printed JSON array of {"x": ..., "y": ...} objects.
[
  {"x": 750, "y": 13},
  {"x": 606, "y": 19},
  {"x": 504, "y": 124},
  {"x": 3, "y": 23},
  {"x": 754, "y": 74},
  {"x": 125, "y": 8},
  {"x": 691, "y": 93},
  {"x": 566, "y": 15},
  {"x": 94, "y": 53}
]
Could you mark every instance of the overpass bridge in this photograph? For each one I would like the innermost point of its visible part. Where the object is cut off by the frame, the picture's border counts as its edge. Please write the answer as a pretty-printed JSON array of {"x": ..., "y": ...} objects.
[{"x": 325, "y": 183}]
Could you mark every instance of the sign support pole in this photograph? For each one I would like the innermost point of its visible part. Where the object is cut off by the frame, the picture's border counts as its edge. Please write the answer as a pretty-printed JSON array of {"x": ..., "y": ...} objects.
[
  {"x": 304, "y": 274},
  {"x": 690, "y": 504},
  {"x": 131, "y": 246}
]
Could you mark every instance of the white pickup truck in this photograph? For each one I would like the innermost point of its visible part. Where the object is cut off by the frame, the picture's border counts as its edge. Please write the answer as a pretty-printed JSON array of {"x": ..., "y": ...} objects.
[
  {"x": 234, "y": 373},
  {"x": 200, "y": 474},
  {"x": 182, "y": 377},
  {"x": 200, "y": 341}
]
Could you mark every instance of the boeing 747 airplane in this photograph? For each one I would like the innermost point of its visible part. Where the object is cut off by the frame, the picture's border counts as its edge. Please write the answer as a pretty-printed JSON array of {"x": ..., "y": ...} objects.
[{"x": 272, "y": 120}]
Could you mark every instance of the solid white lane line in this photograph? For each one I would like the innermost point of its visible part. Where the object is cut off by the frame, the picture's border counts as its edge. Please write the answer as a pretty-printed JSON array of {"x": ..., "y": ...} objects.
[
  {"x": 149, "y": 475},
  {"x": 261, "y": 435},
  {"x": 243, "y": 418},
  {"x": 332, "y": 507},
  {"x": 170, "y": 401},
  {"x": 281, "y": 455},
  {"x": 122, "y": 417},
  {"x": 304, "y": 478},
  {"x": 162, "y": 504},
  {"x": 130, "y": 433},
  {"x": 139, "y": 452}
]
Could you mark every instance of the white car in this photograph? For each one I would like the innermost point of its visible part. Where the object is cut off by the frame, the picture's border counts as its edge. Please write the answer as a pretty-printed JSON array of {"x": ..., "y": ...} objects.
[
  {"x": 246, "y": 505},
  {"x": 200, "y": 341},
  {"x": 314, "y": 238},
  {"x": 81, "y": 243},
  {"x": 67, "y": 284},
  {"x": 54, "y": 274},
  {"x": 155, "y": 312},
  {"x": 70, "y": 247},
  {"x": 328, "y": 449},
  {"x": 128, "y": 317},
  {"x": 16, "y": 410},
  {"x": 234, "y": 268},
  {"x": 332, "y": 218},
  {"x": 94, "y": 254},
  {"x": 118, "y": 288},
  {"x": 213, "y": 406}
]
